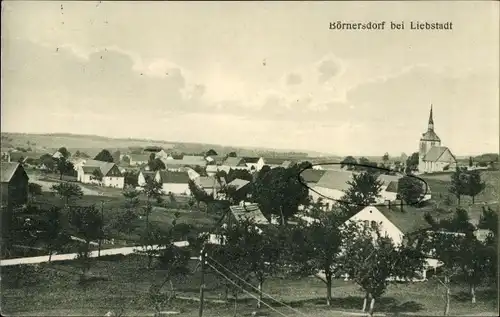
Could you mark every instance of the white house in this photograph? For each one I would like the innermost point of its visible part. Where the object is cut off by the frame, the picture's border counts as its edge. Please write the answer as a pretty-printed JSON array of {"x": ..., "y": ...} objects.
[
  {"x": 174, "y": 182},
  {"x": 101, "y": 173},
  {"x": 254, "y": 163},
  {"x": 395, "y": 224},
  {"x": 137, "y": 159}
]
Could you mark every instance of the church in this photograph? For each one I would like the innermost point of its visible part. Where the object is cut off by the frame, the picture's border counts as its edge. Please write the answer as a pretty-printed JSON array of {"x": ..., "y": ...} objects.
[{"x": 432, "y": 157}]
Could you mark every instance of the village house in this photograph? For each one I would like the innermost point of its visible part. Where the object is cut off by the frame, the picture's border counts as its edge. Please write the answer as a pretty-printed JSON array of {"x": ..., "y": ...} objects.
[
  {"x": 235, "y": 163},
  {"x": 215, "y": 159},
  {"x": 173, "y": 164},
  {"x": 210, "y": 184},
  {"x": 174, "y": 182},
  {"x": 145, "y": 176},
  {"x": 14, "y": 184},
  {"x": 273, "y": 162},
  {"x": 5, "y": 155},
  {"x": 397, "y": 225},
  {"x": 244, "y": 211},
  {"x": 254, "y": 163},
  {"x": 240, "y": 186},
  {"x": 102, "y": 173},
  {"x": 311, "y": 177},
  {"x": 136, "y": 159},
  {"x": 334, "y": 183},
  {"x": 211, "y": 170},
  {"x": 432, "y": 157}
]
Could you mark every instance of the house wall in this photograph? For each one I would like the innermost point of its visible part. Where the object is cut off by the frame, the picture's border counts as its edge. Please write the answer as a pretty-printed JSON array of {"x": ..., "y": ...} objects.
[
  {"x": 386, "y": 227},
  {"x": 113, "y": 181},
  {"x": 176, "y": 188},
  {"x": 87, "y": 179}
]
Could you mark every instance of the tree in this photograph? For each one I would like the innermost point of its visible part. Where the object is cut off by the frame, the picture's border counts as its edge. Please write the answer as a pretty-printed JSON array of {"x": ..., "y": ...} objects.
[
  {"x": 412, "y": 163},
  {"x": 364, "y": 189},
  {"x": 198, "y": 193},
  {"x": 131, "y": 196},
  {"x": 48, "y": 161},
  {"x": 410, "y": 189},
  {"x": 104, "y": 156},
  {"x": 87, "y": 224},
  {"x": 238, "y": 173},
  {"x": 67, "y": 191},
  {"x": 471, "y": 163},
  {"x": 349, "y": 162},
  {"x": 116, "y": 156},
  {"x": 232, "y": 154},
  {"x": 489, "y": 220},
  {"x": 63, "y": 166},
  {"x": 152, "y": 239},
  {"x": 385, "y": 158},
  {"x": 316, "y": 246},
  {"x": 53, "y": 231},
  {"x": 156, "y": 164},
  {"x": 279, "y": 192},
  {"x": 97, "y": 175},
  {"x": 460, "y": 222},
  {"x": 131, "y": 178},
  {"x": 458, "y": 185},
  {"x": 34, "y": 189},
  {"x": 372, "y": 261},
  {"x": 474, "y": 185},
  {"x": 211, "y": 152},
  {"x": 64, "y": 152},
  {"x": 447, "y": 248}
]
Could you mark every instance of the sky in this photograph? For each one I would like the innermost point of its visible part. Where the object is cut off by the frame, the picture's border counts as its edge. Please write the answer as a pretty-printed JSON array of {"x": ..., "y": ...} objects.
[{"x": 254, "y": 74}]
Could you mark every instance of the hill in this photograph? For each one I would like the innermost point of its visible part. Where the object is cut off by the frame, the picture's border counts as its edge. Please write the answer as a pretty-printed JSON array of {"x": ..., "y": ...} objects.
[{"x": 94, "y": 143}]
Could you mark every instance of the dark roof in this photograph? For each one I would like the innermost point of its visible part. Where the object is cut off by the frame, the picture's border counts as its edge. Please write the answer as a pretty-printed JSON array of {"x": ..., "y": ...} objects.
[
  {"x": 251, "y": 160},
  {"x": 435, "y": 153},
  {"x": 335, "y": 179},
  {"x": 392, "y": 187},
  {"x": 148, "y": 175},
  {"x": 287, "y": 164},
  {"x": 250, "y": 211},
  {"x": 234, "y": 161},
  {"x": 7, "y": 170},
  {"x": 168, "y": 177},
  {"x": 409, "y": 220},
  {"x": 311, "y": 175},
  {"x": 430, "y": 135},
  {"x": 187, "y": 160},
  {"x": 105, "y": 167},
  {"x": 139, "y": 157},
  {"x": 207, "y": 182}
]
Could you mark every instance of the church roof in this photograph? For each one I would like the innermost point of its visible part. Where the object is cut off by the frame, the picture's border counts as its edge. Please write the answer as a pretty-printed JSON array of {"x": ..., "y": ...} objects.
[
  {"x": 430, "y": 135},
  {"x": 435, "y": 153}
]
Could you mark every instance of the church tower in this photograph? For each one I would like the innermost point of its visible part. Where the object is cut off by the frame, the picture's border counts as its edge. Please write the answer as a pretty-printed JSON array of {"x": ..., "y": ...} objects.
[{"x": 427, "y": 141}]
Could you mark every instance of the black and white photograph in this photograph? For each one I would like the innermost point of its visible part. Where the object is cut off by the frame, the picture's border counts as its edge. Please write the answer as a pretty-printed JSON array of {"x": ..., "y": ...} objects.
[{"x": 249, "y": 158}]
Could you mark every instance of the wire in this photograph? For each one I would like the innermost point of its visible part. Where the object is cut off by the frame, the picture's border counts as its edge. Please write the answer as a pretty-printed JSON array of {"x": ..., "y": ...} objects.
[
  {"x": 244, "y": 290},
  {"x": 255, "y": 288}
]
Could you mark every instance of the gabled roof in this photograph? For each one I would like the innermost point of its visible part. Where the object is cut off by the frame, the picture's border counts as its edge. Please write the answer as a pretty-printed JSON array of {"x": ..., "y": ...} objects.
[
  {"x": 251, "y": 160},
  {"x": 311, "y": 175},
  {"x": 274, "y": 160},
  {"x": 250, "y": 211},
  {"x": 148, "y": 175},
  {"x": 234, "y": 161},
  {"x": 105, "y": 167},
  {"x": 187, "y": 160},
  {"x": 167, "y": 177},
  {"x": 407, "y": 221},
  {"x": 7, "y": 170},
  {"x": 217, "y": 159},
  {"x": 207, "y": 182},
  {"x": 430, "y": 135},
  {"x": 238, "y": 183},
  {"x": 139, "y": 157},
  {"x": 435, "y": 153}
]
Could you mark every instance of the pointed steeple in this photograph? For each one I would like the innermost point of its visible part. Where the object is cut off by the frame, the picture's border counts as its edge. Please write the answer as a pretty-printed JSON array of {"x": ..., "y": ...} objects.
[{"x": 431, "y": 121}]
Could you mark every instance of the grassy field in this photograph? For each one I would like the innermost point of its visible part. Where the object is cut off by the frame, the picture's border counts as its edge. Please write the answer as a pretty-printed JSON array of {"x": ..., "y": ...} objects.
[
  {"x": 123, "y": 282},
  {"x": 440, "y": 183}
]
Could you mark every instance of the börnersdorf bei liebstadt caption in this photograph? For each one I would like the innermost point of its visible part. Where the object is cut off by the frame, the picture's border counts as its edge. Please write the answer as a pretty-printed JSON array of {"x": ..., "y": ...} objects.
[{"x": 391, "y": 25}]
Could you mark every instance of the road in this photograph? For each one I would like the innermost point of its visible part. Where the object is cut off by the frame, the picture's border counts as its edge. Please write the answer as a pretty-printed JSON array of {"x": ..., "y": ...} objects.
[
  {"x": 46, "y": 186},
  {"x": 72, "y": 256}
]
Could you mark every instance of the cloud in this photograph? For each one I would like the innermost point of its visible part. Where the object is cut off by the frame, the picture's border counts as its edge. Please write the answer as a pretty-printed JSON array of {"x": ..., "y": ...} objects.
[
  {"x": 293, "y": 79},
  {"x": 328, "y": 69}
]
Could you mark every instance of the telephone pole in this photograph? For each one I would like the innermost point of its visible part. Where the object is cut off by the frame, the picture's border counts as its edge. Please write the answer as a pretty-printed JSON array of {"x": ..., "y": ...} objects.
[
  {"x": 102, "y": 225},
  {"x": 202, "y": 280}
]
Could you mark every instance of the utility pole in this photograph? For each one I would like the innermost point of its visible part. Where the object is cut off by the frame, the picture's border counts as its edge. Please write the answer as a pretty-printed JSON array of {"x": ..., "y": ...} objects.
[
  {"x": 102, "y": 225},
  {"x": 202, "y": 280}
]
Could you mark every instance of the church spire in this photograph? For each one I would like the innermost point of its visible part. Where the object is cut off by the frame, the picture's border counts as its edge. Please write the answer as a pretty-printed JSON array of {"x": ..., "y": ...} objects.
[{"x": 431, "y": 121}]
